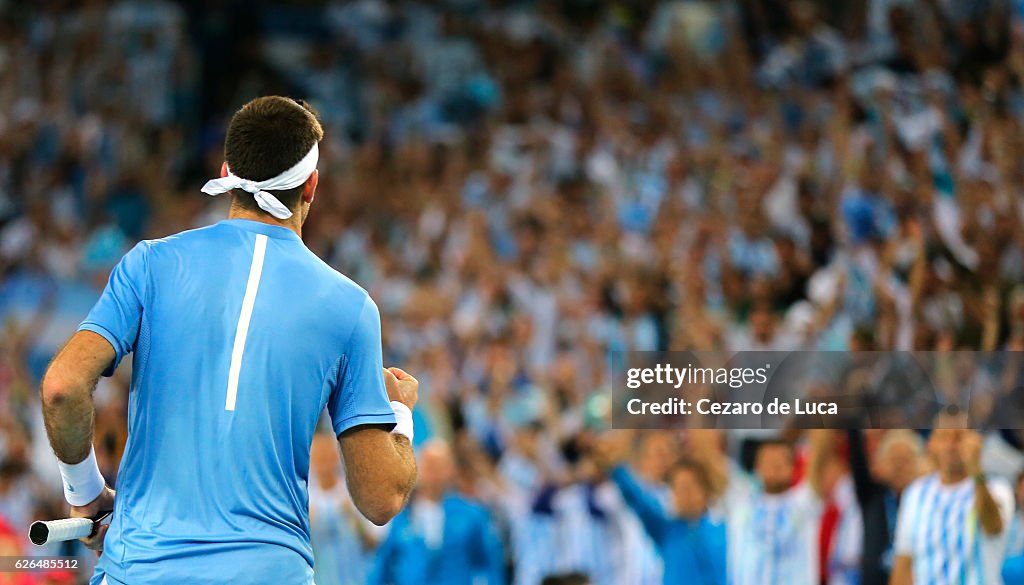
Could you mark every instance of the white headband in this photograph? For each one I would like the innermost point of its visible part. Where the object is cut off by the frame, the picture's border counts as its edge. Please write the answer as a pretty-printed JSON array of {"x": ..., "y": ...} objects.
[{"x": 289, "y": 179}]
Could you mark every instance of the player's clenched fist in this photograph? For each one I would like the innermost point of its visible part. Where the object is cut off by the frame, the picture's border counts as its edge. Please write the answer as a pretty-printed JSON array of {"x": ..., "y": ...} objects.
[{"x": 401, "y": 386}]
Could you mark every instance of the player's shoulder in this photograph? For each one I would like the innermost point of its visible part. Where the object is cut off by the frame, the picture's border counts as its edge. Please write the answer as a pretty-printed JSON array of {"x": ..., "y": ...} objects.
[
  {"x": 184, "y": 239},
  {"x": 322, "y": 281},
  {"x": 163, "y": 256},
  {"x": 344, "y": 283},
  {"x": 341, "y": 294},
  {"x": 159, "y": 256},
  {"x": 145, "y": 252}
]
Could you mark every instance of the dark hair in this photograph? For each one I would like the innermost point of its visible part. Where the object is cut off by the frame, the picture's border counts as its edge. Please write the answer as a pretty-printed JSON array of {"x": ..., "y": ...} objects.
[
  {"x": 11, "y": 468},
  {"x": 266, "y": 137},
  {"x": 566, "y": 579}
]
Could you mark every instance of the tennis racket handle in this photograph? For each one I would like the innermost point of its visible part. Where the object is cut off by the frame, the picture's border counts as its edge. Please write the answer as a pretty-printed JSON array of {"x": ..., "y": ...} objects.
[{"x": 42, "y": 533}]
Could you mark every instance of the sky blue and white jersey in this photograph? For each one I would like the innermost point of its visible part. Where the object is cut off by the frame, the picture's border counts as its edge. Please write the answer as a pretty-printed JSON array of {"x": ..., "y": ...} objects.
[
  {"x": 588, "y": 542},
  {"x": 773, "y": 539},
  {"x": 241, "y": 336},
  {"x": 938, "y": 528},
  {"x": 639, "y": 562},
  {"x": 535, "y": 537}
]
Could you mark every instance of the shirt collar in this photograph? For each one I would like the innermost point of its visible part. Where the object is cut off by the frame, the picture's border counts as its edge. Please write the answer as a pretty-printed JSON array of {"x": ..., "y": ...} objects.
[{"x": 258, "y": 227}]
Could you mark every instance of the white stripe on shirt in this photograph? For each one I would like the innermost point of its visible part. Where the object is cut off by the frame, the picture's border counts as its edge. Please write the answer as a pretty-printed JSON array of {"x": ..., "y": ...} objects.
[{"x": 251, "y": 288}]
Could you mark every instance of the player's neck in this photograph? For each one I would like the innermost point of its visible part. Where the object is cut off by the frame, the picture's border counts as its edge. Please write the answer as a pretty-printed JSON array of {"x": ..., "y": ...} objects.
[{"x": 293, "y": 223}]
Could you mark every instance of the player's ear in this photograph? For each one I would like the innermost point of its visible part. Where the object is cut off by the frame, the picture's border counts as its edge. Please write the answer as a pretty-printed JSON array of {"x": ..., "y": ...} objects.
[
  {"x": 309, "y": 189},
  {"x": 224, "y": 169}
]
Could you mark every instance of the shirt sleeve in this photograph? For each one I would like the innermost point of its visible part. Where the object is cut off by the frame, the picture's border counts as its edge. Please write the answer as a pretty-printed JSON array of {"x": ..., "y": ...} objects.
[
  {"x": 359, "y": 397},
  {"x": 903, "y": 542},
  {"x": 117, "y": 315}
]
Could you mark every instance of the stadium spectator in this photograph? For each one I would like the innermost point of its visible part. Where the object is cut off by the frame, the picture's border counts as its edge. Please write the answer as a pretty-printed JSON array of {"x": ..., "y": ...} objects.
[
  {"x": 650, "y": 465},
  {"x": 841, "y": 529},
  {"x": 441, "y": 537},
  {"x": 572, "y": 510},
  {"x": 880, "y": 479},
  {"x": 692, "y": 542},
  {"x": 773, "y": 527},
  {"x": 952, "y": 523}
]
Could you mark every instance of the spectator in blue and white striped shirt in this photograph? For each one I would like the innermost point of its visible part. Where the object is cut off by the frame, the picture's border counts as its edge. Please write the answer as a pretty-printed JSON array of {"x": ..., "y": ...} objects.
[
  {"x": 951, "y": 524},
  {"x": 774, "y": 527},
  {"x": 526, "y": 469},
  {"x": 640, "y": 563},
  {"x": 587, "y": 540}
]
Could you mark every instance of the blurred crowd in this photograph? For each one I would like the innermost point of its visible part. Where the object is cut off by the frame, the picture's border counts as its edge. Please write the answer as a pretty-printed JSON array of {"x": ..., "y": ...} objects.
[{"x": 524, "y": 187}]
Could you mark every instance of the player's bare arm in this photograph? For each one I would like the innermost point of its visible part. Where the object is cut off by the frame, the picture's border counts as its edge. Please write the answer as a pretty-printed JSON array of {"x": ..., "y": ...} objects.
[
  {"x": 380, "y": 467},
  {"x": 69, "y": 413}
]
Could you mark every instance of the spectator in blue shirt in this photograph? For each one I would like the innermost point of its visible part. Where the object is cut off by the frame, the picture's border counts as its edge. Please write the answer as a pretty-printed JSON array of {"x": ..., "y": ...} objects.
[
  {"x": 691, "y": 543},
  {"x": 441, "y": 538}
]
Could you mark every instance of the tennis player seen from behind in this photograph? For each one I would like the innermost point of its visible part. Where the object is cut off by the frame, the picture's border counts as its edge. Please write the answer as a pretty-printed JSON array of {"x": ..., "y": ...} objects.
[{"x": 241, "y": 336}]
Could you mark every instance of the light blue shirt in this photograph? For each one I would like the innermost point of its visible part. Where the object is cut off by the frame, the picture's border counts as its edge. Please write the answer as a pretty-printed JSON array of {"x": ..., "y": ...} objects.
[
  {"x": 452, "y": 543},
  {"x": 694, "y": 551},
  {"x": 241, "y": 336},
  {"x": 772, "y": 538},
  {"x": 938, "y": 528}
]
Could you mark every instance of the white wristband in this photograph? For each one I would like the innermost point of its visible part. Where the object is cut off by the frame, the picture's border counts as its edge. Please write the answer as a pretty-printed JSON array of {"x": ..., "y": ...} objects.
[
  {"x": 83, "y": 481},
  {"x": 403, "y": 419}
]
